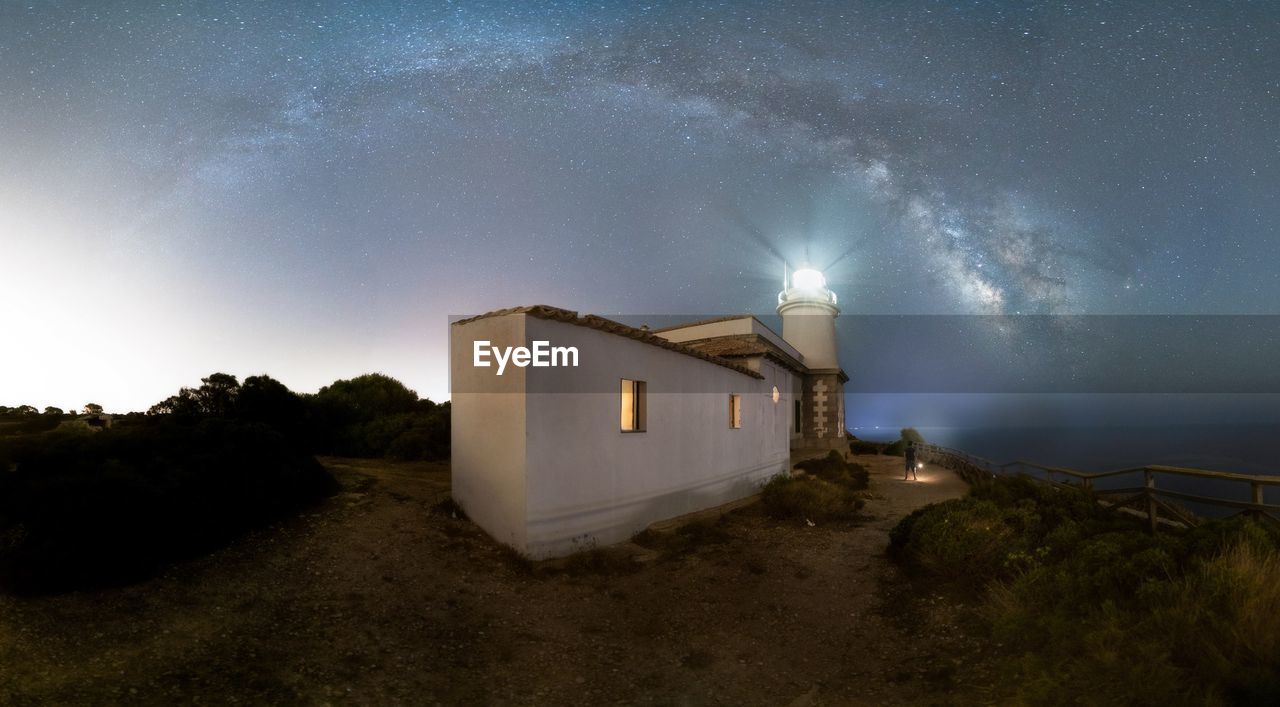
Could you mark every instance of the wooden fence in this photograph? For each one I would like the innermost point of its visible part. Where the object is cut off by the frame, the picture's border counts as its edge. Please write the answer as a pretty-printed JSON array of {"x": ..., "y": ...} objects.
[{"x": 1159, "y": 506}]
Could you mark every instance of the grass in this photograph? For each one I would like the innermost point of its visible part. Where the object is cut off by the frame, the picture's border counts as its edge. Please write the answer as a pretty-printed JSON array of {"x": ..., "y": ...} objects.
[{"x": 1084, "y": 602}]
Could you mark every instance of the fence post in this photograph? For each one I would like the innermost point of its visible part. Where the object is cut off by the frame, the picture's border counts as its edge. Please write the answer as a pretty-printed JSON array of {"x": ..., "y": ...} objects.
[
  {"x": 1151, "y": 497},
  {"x": 1258, "y": 497},
  {"x": 1088, "y": 484}
]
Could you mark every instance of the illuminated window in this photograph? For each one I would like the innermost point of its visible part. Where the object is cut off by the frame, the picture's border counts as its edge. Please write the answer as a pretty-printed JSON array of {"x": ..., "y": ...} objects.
[
  {"x": 797, "y": 415},
  {"x": 776, "y": 395},
  {"x": 735, "y": 411},
  {"x": 632, "y": 406}
]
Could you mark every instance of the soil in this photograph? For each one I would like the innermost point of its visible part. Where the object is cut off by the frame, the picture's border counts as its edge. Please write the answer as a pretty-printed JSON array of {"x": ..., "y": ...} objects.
[{"x": 385, "y": 594}]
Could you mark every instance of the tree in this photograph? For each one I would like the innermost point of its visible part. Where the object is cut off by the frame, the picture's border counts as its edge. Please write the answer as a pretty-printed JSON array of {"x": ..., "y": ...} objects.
[
  {"x": 216, "y": 397},
  {"x": 51, "y": 410},
  {"x": 217, "y": 394},
  {"x": 911, "y": 435},
  {"x": 25, "y": 410},
  {"x": 370, "y": 396},
  {"x": 92, "y": 409},
  {"x": 267, "y": 400},
  {"x": 181, "y": 405}
]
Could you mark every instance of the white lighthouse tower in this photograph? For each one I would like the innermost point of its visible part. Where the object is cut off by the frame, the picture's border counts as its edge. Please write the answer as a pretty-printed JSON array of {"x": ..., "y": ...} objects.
[
  {"x": 809, "y": 310},
  {"x": 809, "y": 314}
]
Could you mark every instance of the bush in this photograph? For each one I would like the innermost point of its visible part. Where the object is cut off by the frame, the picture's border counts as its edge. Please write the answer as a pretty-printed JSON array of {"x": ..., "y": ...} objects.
[
  {"x": 809, "y": 498},
  {"x": 962, "y": 539},
  {"x": 863, "y": 447},
  {"x": 370, "y": 396},
  {"x": 372, "y": 415},
  {"x": 910, "y": 434},
  {"x": 685, "y": 538},
  {"x": 1228, "y": 610},
  {"x": 89, "y": 510},
  {"x": 835, "y": 469},
  {"x": 428, "y": 440},
  {"x": 898, "y": 447},
  {"x": 17, "y": 424},
  {"x": 1083, "y": 599}
]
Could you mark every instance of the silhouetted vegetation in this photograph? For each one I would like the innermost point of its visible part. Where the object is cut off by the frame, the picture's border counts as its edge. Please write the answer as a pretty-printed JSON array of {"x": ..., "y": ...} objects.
[
  {"x": 898, "y": 447},
  {"x": 25, "y": 419},
  {"x": 81, "y": 508},
  {"x": 862, "y": 446},
  {"x": 1087, "y": 603},
  {"x": 86, "y": 502},
  {"x": 372, "y": 415}
]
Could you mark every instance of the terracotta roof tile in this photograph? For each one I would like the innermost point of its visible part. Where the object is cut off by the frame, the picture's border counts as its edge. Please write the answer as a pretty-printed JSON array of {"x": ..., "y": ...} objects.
[{"x": 736, "y": 345}]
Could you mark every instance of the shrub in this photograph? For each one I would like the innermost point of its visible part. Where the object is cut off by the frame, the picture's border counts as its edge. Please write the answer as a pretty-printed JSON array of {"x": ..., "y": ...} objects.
[
  {"x": 685, "y": 538},
  {"x": 898, "y": 447},
  {"x": 809, "y": 498},
  {"x": 859, "y": 446},
  {"x": 1225, "y": 620},
  {"x": 910, "y": 434},
  {"x": 422, "y": 441},
  {"x": 87, "y": 510},
  {"x": 1083, "y": 599},
  {"x": 18, "y": 424},
  {"x": 835, "y": 469},
  {"x": 963, "y": 539},
  {"x": 372, "y": 415},
  {"x": 370, "y": 396}
]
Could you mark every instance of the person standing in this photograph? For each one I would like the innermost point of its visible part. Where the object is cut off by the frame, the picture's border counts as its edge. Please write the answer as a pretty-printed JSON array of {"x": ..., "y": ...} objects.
[{"x": 911, "y": 461}]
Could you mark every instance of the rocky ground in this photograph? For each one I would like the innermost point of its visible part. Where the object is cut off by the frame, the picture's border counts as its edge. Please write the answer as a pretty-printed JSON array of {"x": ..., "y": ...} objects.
[{"x": 382, "y": 594}]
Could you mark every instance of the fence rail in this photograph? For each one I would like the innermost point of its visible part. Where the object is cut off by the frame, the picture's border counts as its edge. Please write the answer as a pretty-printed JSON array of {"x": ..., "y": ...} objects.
[{"x": 1158, "y": 505}]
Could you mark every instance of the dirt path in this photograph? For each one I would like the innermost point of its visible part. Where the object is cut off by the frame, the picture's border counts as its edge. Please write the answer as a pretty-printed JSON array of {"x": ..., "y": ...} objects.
[{"x": 380, "y": 595}]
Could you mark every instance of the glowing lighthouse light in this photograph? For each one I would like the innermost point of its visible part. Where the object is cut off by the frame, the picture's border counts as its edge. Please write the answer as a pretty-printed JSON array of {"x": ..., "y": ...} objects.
[{"x": 808, "y": 280}]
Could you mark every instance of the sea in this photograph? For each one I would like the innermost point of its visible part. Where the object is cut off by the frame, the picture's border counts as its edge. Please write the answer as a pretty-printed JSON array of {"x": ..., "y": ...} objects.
[{"x": 1241, "y": 448}]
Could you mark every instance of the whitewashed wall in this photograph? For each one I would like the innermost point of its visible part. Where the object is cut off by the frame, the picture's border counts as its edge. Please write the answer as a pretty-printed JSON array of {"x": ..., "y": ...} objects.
[
  {"x": 589, "y": 483},
  {"x": 487, "y": 431},
  {"x": 585, "y": 482}
]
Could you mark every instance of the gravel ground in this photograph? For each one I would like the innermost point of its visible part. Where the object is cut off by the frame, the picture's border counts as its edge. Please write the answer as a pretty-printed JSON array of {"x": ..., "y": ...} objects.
[{"x": 382, "y": 595}]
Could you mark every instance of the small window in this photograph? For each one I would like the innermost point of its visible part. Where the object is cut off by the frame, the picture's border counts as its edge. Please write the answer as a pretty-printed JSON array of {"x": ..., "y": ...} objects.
[
  {"x": 632, "y": 407},
  {"x": 776, "y": 395},
  {"x": 735, "y": 411},
  {"x": 797, "y": 415}
]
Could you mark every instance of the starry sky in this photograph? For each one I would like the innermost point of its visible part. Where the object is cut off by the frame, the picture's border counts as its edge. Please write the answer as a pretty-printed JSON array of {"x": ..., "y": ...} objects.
[{"x": 311, "y": 189}]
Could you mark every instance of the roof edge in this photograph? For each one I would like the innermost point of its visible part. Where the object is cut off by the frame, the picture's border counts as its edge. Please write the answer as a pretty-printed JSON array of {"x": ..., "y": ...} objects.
[
  {"x": 592, "y": 321},
  {"x": 712, "y": 320}
]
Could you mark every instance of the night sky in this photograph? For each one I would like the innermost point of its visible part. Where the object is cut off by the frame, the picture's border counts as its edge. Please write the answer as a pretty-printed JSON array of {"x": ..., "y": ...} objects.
[{"x": 311, "y": 189}]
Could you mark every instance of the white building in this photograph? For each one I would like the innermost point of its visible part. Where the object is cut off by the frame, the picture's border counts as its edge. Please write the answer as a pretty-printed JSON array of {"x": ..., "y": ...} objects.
[{"x": 551, "y": 458}]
